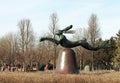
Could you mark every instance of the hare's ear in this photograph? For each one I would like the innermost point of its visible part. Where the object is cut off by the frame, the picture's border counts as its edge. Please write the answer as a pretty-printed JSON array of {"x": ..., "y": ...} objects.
[
  {"x": 59, "y": 32},
  {"x": 70, "y": 31},
  {"x": 67, "y": 28}
]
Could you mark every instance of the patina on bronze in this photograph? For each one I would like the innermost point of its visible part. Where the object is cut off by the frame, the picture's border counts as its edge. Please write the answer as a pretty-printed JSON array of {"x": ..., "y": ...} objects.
[{"x": 66, "y": 62}]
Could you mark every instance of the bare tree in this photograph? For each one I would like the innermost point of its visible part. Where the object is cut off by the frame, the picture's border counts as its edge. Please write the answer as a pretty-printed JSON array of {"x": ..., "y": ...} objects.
[
  {"x": 53, "y": 27},
  {"x": 8, "y": 49},
  {"x": 78, "y": 50},
  {"x": 81, "y": 53},
  {"x": 26, "y": 39},
  {"x": 94, "y": 32}
]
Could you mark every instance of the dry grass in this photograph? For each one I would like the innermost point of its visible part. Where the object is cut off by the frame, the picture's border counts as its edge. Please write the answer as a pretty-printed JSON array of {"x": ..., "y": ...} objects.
[{"x": 49, "y": 77}]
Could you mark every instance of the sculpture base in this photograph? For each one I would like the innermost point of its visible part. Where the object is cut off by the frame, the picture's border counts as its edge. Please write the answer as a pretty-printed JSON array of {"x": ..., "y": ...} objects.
[{"x": 66, "y": 62}]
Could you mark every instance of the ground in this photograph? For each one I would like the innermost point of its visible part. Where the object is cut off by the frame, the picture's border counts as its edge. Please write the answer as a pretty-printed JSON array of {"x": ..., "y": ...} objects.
[{"x": 51, "y": 77}]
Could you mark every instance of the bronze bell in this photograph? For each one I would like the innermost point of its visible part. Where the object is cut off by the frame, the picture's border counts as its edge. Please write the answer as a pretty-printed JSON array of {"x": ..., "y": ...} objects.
[{"x": 66, "y": 62}]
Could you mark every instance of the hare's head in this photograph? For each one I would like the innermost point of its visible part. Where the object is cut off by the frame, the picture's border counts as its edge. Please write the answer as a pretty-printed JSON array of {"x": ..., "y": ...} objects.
[{"x": 66, "y": 30}]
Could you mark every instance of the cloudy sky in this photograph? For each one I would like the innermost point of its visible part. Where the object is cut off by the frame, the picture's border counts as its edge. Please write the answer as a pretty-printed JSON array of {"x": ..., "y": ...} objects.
[{"x": 75, "y": 12}]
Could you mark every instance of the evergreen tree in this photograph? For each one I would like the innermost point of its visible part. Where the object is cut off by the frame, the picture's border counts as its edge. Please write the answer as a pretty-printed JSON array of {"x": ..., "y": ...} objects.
[
  {"x": 105, "y": 56},
  {"x": 116, "y": 59}
]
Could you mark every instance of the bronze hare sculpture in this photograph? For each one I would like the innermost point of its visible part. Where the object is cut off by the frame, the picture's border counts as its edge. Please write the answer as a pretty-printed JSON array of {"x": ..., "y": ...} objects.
[{"x": 63, "y": 41}]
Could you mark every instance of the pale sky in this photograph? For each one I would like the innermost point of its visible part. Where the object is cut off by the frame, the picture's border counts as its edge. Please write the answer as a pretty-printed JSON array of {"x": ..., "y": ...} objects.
[{"x": 75, "y": 12}]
